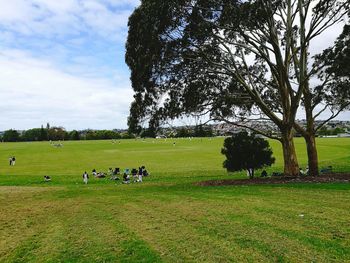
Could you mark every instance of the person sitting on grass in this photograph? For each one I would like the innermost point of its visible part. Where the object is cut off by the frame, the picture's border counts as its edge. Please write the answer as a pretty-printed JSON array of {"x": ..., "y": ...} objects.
[
  {"x": 145, "y": 172},
  {"x": 47, "y": 178},
  {"x": 116, "y": 171},
  {"x": 139, "y": 174},
  {"x": 126, "y": 178},
  {"x": 264, "y": 173},
  {"x": 115, "y": 174},
  {"x": 94, "y": 172},
  {"x": 114, "y": 177},
  {"x": 329, "y": 169},
  {"x": 140, "y": 170},
  {"x": 304, "y": 173},
  {"x": 100, "y": 175},
  {"x": 134, "y": 174}
]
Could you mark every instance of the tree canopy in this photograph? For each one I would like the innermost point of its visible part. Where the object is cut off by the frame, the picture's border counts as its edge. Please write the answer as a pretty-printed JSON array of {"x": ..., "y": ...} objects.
[
  {"x": 235, "y": 61},
  {"x": 11, "y": 136},
  {"x": 246, "y": 152}
]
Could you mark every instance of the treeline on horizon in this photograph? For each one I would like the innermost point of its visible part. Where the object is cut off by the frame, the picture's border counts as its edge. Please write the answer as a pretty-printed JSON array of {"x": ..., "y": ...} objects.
[{"x": 60, "y": 134}]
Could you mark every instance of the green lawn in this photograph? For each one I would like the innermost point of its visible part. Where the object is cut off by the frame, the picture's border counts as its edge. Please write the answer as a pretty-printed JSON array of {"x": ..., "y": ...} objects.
[{"x": 166, "y": 218}]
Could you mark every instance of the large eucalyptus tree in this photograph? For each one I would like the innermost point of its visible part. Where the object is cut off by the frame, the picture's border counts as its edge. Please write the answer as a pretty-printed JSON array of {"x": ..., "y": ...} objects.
[
  {"x": 330, "y": 96},
  {"x": 233, "y": 60}
]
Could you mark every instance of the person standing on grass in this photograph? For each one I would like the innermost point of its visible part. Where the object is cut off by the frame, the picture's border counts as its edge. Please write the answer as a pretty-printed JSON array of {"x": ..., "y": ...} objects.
[
  {"x": 85, "y": 177},
  {"x": 13, "y": 160},
  {"x": 10, "y": 159}
]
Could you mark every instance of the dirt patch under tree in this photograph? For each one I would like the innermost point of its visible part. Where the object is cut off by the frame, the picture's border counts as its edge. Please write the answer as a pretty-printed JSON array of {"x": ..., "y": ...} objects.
[{"x": 325, "y": 178}]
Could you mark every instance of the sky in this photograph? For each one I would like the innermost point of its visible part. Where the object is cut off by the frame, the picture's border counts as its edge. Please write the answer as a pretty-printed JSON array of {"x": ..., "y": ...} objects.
[{"x": 62, "y": 62}]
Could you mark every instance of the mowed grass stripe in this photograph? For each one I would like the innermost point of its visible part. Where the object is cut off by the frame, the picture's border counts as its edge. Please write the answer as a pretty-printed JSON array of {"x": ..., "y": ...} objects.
[
  {"x": 260, "y": 224},
  {"x": 193, "y": 237},
  {"x": 72, "y": 232}
]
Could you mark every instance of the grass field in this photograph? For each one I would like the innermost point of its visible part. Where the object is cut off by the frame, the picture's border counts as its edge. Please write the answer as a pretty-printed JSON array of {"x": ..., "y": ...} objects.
[{"x": 166, "y": 218}]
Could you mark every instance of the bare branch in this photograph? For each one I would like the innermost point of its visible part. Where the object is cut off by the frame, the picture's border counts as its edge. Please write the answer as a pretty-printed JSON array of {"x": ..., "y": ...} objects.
[
  {"x": 333, "y": 116},
  {"x": 237, "y": 124}
]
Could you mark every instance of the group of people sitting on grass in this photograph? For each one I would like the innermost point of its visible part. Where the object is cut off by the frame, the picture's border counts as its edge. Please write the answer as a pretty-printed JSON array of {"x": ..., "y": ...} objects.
[
  {"x": 137, "y": 174},
  {"x": 56, "y": 144},
  {"x": 98, "y": 174}
]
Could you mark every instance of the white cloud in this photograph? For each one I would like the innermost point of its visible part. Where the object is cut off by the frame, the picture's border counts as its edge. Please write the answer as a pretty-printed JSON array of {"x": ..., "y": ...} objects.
[
  {"x": 34, "y": 92},
  {"x": 62, "y": 62},
  {"x": 52, "y": 18}
]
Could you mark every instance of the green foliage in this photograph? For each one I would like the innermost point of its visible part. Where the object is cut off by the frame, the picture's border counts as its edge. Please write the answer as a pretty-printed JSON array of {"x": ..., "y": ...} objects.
[
  {"x": 36, "y": 134},
  {"x": 57, "y": 134},
  {"x": 147, "y": 133},
  {"x": 127, "y": 135},
  {"x": 11, "y": 136},
  {"x": 334, "y": 72},
  {"x": 195, "y": 53},
  {"x": 101, "y": 135},
  {"x": 74, "y": 135},
  {"x": 229, "y": 60},
  {"x": 183, "y": 133},
  {"x": 43, "y": 133},
  {"x": 244, "y": 152},
  {"x": 325, "y": 132},
  {"x": 203, "y": 131}
]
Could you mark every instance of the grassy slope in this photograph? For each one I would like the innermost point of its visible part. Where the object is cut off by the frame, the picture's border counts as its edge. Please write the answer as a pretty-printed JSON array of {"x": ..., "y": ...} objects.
[{"x": 166, "y": 219}]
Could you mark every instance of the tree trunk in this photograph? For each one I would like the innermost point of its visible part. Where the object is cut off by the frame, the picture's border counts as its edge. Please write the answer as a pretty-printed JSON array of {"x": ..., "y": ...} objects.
[
  {"x": 312, "y": 155},
  {"x": 309, "y": 135},
  {"x": 291, "y": 167}
]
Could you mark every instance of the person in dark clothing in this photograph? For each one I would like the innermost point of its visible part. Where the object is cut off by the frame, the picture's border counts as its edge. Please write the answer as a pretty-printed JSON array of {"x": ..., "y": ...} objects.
[
  {"x": 126, "y": 178},
  {"x": 47, "y": 178},
  {"x": 140, "y": 170},
  {"x": 134, "y": 174},
  {"x": 115, "y": 174},
  {"x": 264, "y": 174},
  {"x": 85, "y": 177}
]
